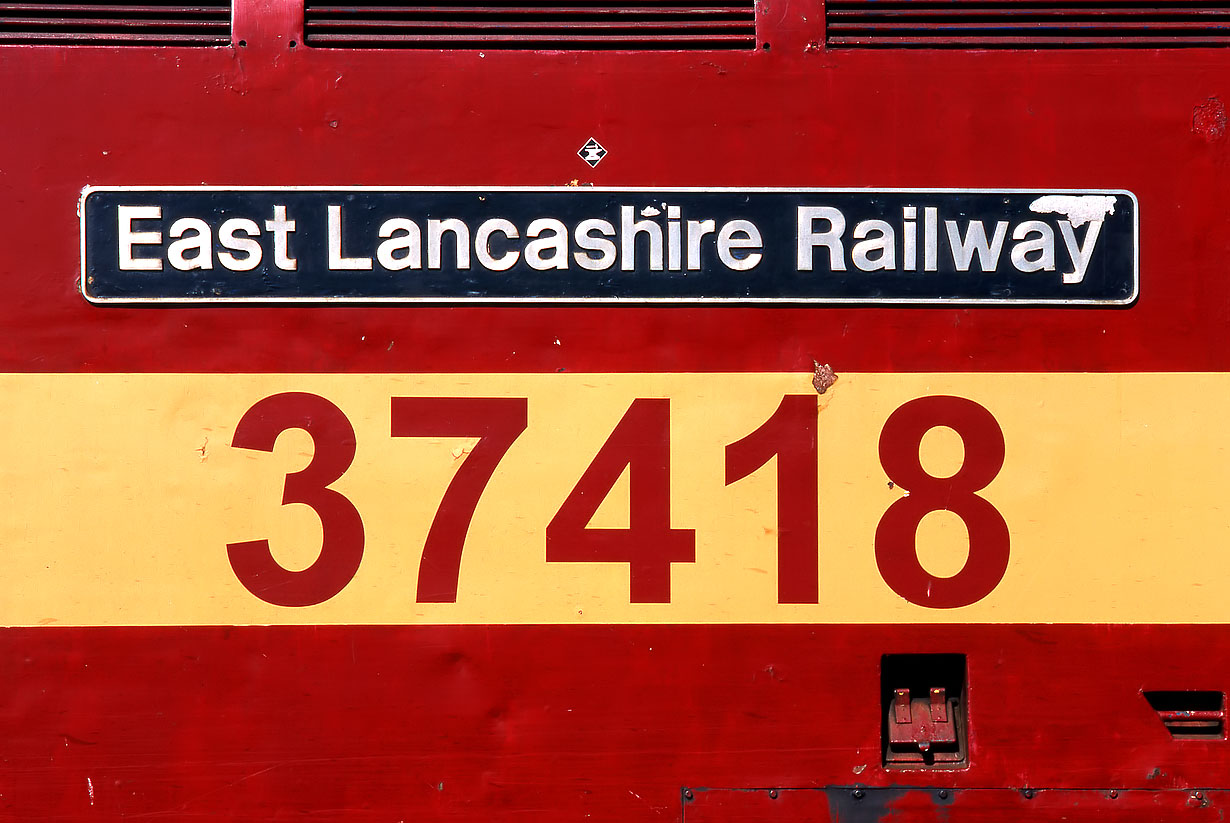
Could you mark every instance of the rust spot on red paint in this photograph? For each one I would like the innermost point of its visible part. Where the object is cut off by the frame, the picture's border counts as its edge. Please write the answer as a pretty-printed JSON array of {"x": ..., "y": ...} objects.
[
  {"x": 823, "y": 378},
  {"x": 1209, "y": 119}
]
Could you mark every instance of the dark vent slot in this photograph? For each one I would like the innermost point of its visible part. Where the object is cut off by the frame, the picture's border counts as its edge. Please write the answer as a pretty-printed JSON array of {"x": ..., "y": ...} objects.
[
  {"x": 1190, "y": 715},
  {"x": 548, "y": 24},
  {"x": 154, "y": 22},
  {"x": 1026, "y": 23}
]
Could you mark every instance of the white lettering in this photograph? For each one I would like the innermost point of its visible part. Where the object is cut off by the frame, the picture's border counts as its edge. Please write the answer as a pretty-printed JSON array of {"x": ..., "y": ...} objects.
[
  {"x": 404, "y": 248},
  {"x": 975, "y": 242},
  {"x": 1043, "y": 244},
  {"x": 883, "y": 243},
  {"x": 697, "y": 229},
  {"x": 1080, "y": 254},
  {"x": 236, "y": 234},
  {"x": 129, "y": 238},
  {"x": 909, "y": 238},
  {"x": 201, "y": 241},
  {"x": 628, "y": 231},
  {"x": 282, "y": 229},
  {"x": 482, "y": 244},
  {"x": 808, "y": 239},
  {"x": 556, "y": 242},
  {"x": 674, "y": 245},
  {"x": 739, "y": 234},
  {"x": 336, "y": 261},
  {"x": 435, "y": 235},
  {"x": 931, "y": 239},
  {"x": 583, "y": 234}
]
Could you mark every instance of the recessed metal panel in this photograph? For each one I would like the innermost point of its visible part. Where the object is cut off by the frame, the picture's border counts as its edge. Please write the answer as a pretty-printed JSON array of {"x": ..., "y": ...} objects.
[{"x": 860, "y": 804}]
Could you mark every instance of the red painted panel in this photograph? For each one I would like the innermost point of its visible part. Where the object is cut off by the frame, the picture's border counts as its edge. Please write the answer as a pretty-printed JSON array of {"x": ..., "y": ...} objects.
[
  {"x": 568, "y": 723},
  {"x": 590, "y": 723},
  {"x": 795, "y": 115}
]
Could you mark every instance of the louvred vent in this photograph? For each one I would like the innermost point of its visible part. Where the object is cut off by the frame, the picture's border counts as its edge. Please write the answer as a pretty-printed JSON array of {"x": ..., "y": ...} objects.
[
  {"x": 533, "y": 24},
  {"x": 1026, "y": 23},
  {"x": 149, "y": 22}
]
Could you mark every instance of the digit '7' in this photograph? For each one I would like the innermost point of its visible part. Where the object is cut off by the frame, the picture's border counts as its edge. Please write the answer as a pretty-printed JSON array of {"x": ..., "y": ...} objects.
[{"x": 497, "y": 422}]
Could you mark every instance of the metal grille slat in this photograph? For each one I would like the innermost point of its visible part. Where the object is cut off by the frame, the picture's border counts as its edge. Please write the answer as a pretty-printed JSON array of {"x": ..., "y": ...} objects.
[
  {"x": 203, "y": 23},
  {"x": 1026, "y": 23},
  {"x": 586, "y": 26},
  {"x": 522, "y": 24},
  {"x": 554, "y": 12}
]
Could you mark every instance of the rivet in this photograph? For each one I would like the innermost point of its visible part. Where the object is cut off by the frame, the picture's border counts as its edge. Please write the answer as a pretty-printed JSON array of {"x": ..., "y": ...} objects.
[
  {"x": 1029, "y": 793},
  {"x": 858, "y": 794},
  {"x": 943, "y": 794},
  {"x": 688, "y": 794},
  {"x": 773, "y": 794}
]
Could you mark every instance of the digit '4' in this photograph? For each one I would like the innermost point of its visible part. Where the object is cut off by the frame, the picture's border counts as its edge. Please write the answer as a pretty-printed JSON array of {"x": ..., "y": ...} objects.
[{"x": 641, "y": 444}]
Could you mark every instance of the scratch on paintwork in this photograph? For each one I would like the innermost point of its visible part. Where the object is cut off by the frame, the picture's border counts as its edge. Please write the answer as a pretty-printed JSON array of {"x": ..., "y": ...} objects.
[
  {"x": 204, "y": 450},
  {"x": 68, "y": 738},
  {"x": 89, "y": 787},
  {"x": 239, "y": 82},
  {"x": 183, "y": 806},
  {"x": 658, "y": 809}
]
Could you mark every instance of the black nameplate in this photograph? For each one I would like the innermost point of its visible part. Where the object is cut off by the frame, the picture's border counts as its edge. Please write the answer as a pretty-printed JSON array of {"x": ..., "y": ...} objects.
[{"x": 145, "y": 245}]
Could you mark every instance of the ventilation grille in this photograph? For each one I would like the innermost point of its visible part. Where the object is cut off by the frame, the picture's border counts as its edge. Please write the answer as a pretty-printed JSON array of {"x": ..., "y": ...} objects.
[
  {"x": 158, "y": 22},
  {"x": 1026, "y": 23},
  {"x": 1191, "y": 715},
  {"x": 533, "y": 24}
]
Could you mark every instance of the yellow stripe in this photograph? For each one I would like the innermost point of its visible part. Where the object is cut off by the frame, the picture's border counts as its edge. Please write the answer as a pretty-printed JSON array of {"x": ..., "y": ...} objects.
[{"x": 121, "y": 493}]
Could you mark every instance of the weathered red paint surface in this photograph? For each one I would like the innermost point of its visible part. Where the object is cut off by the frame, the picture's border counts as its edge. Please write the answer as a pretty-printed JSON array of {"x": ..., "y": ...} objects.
[
  {"x": 603, "y": 723},
  {"x": 592, "y": 723},
  {"x": 790, "y": 116}
]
